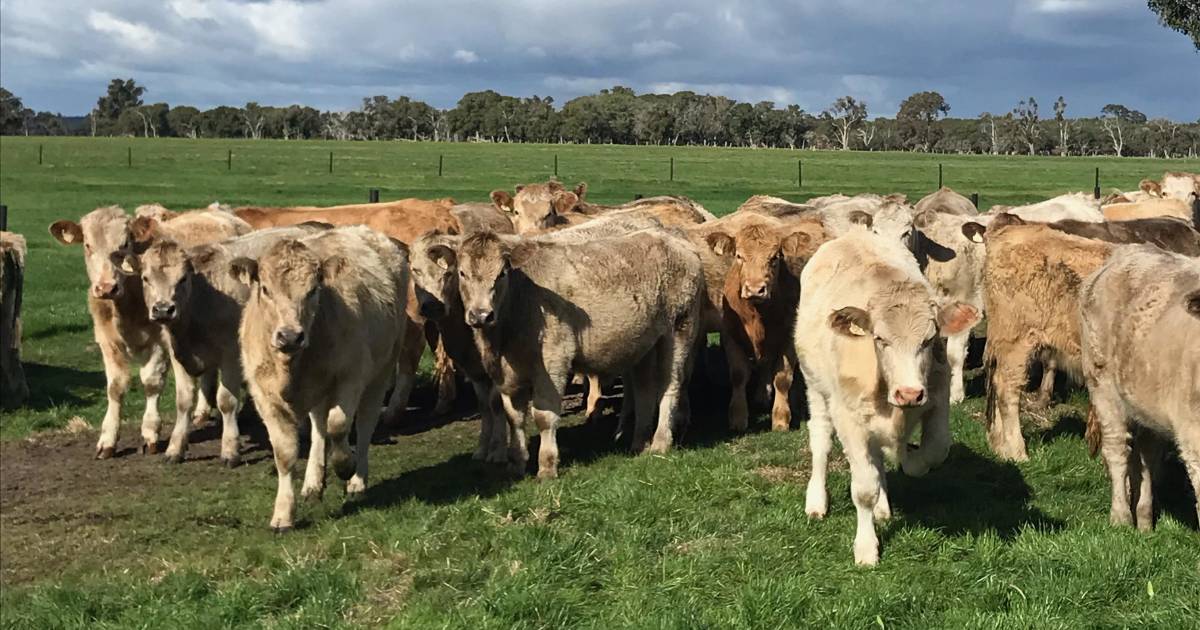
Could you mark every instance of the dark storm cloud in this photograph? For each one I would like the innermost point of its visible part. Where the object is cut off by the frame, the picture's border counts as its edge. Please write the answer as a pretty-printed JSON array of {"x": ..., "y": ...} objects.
[{"x": 984, "y": 56}]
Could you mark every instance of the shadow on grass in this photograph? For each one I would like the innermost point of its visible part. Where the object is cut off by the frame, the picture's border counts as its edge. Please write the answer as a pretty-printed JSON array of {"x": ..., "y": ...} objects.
[
  {"x": 969, "y": 494},
  {"x": 52, "y": 386},
  {"x": 58, "y": 329}
]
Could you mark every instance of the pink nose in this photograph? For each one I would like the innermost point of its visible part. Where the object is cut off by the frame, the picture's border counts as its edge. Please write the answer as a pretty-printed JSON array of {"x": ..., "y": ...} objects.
[
  {"x": 909, "y": 396},
  {"x": 751, "y": 292},
  {"x": 104, "y": 290}
]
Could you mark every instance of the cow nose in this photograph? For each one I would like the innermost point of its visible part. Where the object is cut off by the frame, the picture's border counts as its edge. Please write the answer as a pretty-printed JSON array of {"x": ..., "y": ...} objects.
[
  {"x": 479, "y": 317},
  {"x": 909, "y": 396},
  {"x": 754, "y": 292},
  {"x": 106, "y": 290},
  {"x": 288, "y": 340},
  {"x": 162, "y": 312}
]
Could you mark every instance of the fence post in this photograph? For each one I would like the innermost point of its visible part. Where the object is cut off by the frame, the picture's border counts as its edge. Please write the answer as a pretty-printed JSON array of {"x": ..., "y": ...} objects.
[
  {"x": 373, "y": 195},
  {"x": 1096, "y": 191},
  {"x": 799, "y": 173},
  {"x": 130, "y": 161},
  {"x": 3, "y": 217},
  {"x": 331, "y": 161},
  {"x": 229, "y": 161},
  {"x": 672, "y": 169},
  {"x": 556, "y": 165},
  {"x": 39, "y": 155},
  {"x": 975, "y": 199},
  {"x": 441, "y": 159},
  {"x": 939, "y": 175}
]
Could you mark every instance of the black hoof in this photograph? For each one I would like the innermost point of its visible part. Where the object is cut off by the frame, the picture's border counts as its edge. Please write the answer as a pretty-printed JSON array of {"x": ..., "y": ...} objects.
[
  {"x": 150, "y": 448},
  {"x": 105, "y": 453},
  {"x": 282, "y": 530},
  {"x": 173, "y": 459},
  {"x": 231, "y": 462}
]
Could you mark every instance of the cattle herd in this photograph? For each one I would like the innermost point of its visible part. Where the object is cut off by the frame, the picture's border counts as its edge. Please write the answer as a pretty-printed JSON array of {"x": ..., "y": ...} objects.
[{"x": 324, "y": 313}]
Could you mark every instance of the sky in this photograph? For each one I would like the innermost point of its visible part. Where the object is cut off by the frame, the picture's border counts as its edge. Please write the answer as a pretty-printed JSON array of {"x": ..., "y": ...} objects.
[{"x": 982, "y": 55}]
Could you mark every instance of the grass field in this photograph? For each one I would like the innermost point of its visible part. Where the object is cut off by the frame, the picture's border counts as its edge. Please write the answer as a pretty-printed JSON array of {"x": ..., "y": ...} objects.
[{"x": 711, "y": 535}]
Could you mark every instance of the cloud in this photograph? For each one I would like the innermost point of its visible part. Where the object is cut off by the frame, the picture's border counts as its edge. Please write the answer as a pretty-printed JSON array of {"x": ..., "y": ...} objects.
[
  {"x": 465, "y": 56},
  {"x": 983, "y": 56},
  {"x": 129, "y": 34}
]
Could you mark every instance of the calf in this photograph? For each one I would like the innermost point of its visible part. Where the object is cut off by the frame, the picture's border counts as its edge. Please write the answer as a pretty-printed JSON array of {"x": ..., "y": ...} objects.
[
  {"x": 1140, "y": 317},
  {"x": 191, "y": 294},
  {"x": 120, "y": 321},
  {"x": 538, "y": 207},
  {"x": 320, "y": 336},
  {"x": 946, "y": 201},
  {"x": 759, "y": 296},
  {"x": 1148, "y": 209},
  {"x": 612, "y": 306},
  {"x": 1077, "y": 206},
  {"x": 870, "y": 340}
]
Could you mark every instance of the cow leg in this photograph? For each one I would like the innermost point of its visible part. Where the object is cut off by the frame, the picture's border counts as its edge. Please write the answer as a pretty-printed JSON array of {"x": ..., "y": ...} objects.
[
  {"x": 516, "y": 407},
  {"x": 209, "y": 391},
  {"x": 595, "y": 393},
  {"x": 627, "y": 421},
  {"x": 739, "y": 374},
  {"x": 956, "y": 354},
  {"x": 820, "y": 442},
  {"x": 547, "y": 408},
  {"x": 1004, "y": 404},
  {"x": 493, "y": 432},
  {"x": 1189, "y": 452},
  {"x": 116, "y": 373},
  {"x": 186, "y": 388},
  {"x": 228, "y": 391},
  {"x": 406, "y": 372},
  {"x": 281, "y": 427},
  {"x": 443, "y": 374},
  {"x": 337, "y": 436},
  {"x": 866, "y": 483},
  {"x": 1148, "y": 448},
  {"x": 314, "y": 471},
  {"x": 883, "y": 506},
  {"x": 935, "y": 444},
  {"x": 364, "y": 424},
  {"x": 154, "y": 376},
  {"x": 672, "y": 362},
  {"x": 1046, "y": 388},
  {"x": 781, "y": 409},
  {"x": 1114, "y": 447}
]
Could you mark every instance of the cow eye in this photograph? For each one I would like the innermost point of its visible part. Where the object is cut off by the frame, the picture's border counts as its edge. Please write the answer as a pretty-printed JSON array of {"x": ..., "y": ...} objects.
[
  {"x": 881, "y": 341},
  {"x": 263, "y": 289},
  {"x": 462, "y": 274}
]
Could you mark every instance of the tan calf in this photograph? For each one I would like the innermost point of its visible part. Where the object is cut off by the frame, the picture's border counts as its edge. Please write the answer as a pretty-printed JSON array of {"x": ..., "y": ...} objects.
[
  {"x": 320, "y": 336},
  {"x": 946, "y": 201},
  {"x": 1148, "y": 209},
  {"x": 115, "y": 300}
]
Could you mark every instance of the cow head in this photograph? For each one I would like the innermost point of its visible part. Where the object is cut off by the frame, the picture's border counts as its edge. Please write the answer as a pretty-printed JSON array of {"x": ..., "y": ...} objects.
[
  {"x": 167, "y": 274},
  {"x": 286, "y": 285},
  {"x": 536, "y": 207},
  {"x": 759, "y": 252},
  {"x": 485, "y": 266},
  {"x": 107, "y": 236},
  {"x": 906, "y": 333},
  {"x": 435, "y": 273}
]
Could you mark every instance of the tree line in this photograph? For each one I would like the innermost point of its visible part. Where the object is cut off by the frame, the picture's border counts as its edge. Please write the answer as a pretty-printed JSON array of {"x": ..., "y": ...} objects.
[{"x": 621, "y": 116}]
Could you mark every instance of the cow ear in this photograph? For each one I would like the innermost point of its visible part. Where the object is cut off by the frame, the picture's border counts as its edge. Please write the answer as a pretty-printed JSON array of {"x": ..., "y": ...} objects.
[
  {"x": 956, "y": 317},
  {"x": 201, "y": 256},
  {"x": 555, "y": 186},
  {"x": 564, "y": 202},
  {"x": 721, "y": 243},
  {"x": 1192, "y": 303},
  {"x": 502, "y": 200},
  {"x": 858, "y": 217},
  {"x": 333, "y": 267},
  {"x": 520, "y": 254},
  {"x": 1004, "y": 219},
  {"x": 67, "y": 232},
  {"x": 581, "y": 190},
  {"x": 850, "y": 321},
  {"x": 443, "y": 255},
  {"x": 925, "y": 219},
  {"x": 244, "y": 270},
  {"x": 143, "y": 229},
  {"x": 796, "y": 244},
  {"x": 974, "y": 231}
]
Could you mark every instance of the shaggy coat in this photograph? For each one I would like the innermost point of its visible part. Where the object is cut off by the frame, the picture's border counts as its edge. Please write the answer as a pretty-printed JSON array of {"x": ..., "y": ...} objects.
[
  {"x": 320, "y": 337},
  {"x": 1140, "y": 317}
]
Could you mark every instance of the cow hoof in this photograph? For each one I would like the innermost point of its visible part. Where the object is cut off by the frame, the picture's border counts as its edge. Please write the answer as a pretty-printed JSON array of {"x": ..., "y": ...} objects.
[
  {"x": 355, "y": 488},
  {"x": 150, "y": 448},
  {"x": 281, "y": 529},
  {"x": 500, "y": 457},
  {"x": 312, "y": 495},
  {"x": 232, "y": 461},
  {"x": 176, "y": 458},
  {"x": 104, "y": 452},
  {"x": 342, "y": 463},
  {"x": 442, "y": 409},
  {"x": 479, "y": 455}
]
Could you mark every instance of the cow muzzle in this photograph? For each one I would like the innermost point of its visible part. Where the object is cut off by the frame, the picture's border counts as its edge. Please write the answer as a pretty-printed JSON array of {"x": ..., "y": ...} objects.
[
  {"x": 908, "y": 396},
  {"x": 289, "y": 341},
  {"x": 756, "y": 292},
  {"x": 163, "y": 312},
  {"x": 480, "y": 318},
  {"x": 106, "y": 290}
]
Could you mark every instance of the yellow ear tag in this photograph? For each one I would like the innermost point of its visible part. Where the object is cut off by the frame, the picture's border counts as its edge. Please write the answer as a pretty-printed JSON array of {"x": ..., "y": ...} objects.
[
  {"x": 126, "y": 267},
  {"x": 857, "y": 330},
  {"x": 68, "y": 237}
]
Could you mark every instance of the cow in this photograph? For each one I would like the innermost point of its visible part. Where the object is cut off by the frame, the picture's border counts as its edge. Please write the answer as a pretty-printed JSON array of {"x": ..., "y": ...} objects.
[
  {"x": 775, "y": 207},
  {"x": 953, "y": 264},
  {"x": 1150, "y": 208},
  {"x": 759, "y": 297},
  {"x": 190, "y": 293},
  {"x": 1078, "y": 206},
  {"x": 1140, "y": 317},
  {"x": 481, "y": 217},
  {"x": 403, "y": 220},
  {"x": 538, "y": 207},
  {"x": 870, "y": 340},
  {"x": 946, "y": 201},
  {"x": 611, "y": 306},
  {"x": 887, "y": 216},
  {"x": 120, "y": 321},
  {"x": 1182, "y": 186},
  {"x": 320, "y": 337}
]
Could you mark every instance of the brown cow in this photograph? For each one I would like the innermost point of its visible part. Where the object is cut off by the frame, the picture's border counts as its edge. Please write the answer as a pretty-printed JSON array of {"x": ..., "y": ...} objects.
[
  {"x": 320, "y": 337},
  {"x": 403, "y": 220},
  {"x": 759, "y": 295},
  {"x": 120, "y": 321}
]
